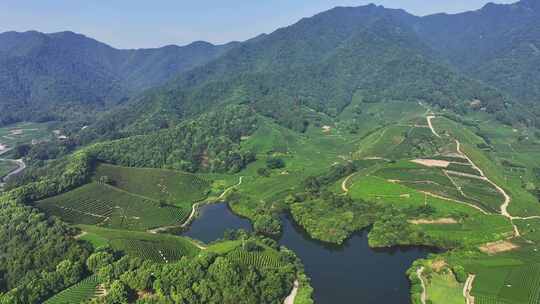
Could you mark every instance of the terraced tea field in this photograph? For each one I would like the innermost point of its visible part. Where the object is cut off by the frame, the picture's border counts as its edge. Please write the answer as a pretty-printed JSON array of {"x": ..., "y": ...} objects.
[
  {"x": 178, "y": 188},
  {"x": 78, "y": 293},
  {"x": 258, "y": 259},
  {"x": 518, "y": 284},
  {"x": 161, "y": 248},
  {"x": 107, "y": 206}
]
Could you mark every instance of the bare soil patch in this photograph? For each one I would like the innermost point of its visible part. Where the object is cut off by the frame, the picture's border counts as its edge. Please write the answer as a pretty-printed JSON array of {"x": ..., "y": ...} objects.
[
  {"x": 16, "y": 132},
  {"x": 432, "y": 162},
  {"x": 497, "y": 247},
  {"x": 439, "y": 265},
  {"x": 442, "y": 221}
]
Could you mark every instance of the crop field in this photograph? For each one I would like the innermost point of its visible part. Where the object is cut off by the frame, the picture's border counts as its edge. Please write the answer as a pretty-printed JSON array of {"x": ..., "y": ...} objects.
[
  {"x": 480, "y": 192},
  {"x": 266, "y": 258},
  {"x": 104, "y": 205},
  {"x": 473, "y": 230},
  {"x": 156, "y": 247},
  {"x": 513, "y": 284},
  {"x": 19, "y": 133},
  {"x": 444, "y": 289},
  {"x": 376, "y": 189},
  {"x": 181, "y": 189},
  {"x": 78, "y": 293},
  {"x": 463, "y": 168}
]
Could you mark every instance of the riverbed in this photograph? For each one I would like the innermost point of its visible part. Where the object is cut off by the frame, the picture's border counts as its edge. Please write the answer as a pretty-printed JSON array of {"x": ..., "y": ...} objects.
[{"x": 351, "y": 273}]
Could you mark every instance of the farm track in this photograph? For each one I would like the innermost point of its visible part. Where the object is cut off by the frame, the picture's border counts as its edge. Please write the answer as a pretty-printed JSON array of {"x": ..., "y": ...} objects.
[
  {"x": 467, "y": 289},
  {"x": 507, "y": 198},
  {"x": 423, "y": 296},
  {"x": 344, "y": 183},
  {"x": 194, "y": 212},
  {"x": 290, "y": 298},
  {"x": 20, "y": 167}
]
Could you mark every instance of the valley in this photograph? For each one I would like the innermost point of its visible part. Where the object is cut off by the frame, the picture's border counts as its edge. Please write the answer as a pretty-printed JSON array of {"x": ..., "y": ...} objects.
[{"x": 363, "y": 154}]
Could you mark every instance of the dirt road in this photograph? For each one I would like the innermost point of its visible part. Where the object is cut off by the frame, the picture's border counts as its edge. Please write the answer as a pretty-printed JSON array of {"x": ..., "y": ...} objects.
[
  {"x": 290, "y": 298},
  {"x": 467, "y": 289},
  {"x": 423, "y": 296}
]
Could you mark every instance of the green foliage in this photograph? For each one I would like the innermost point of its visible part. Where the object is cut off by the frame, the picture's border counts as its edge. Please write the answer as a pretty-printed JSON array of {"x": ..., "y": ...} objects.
[
  {"x": 33, "y": 245},
  {"x": 105, "y": 205},
  {"x": 275, "y": 163},
  {"x": 209, "y": 143},
  {"x": 333, "y": 218},
  {"x": 78, "y": 293},
  {"x": 88, "y": 76},
  {"x": 174, "y": 187}
]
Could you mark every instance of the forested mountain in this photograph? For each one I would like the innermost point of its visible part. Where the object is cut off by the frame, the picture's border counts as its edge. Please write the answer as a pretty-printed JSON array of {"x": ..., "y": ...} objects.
[
  {"x": 499, "y": 44},
  {"x": 317, "y": 64},
  {"x": 43, "y": 75}
]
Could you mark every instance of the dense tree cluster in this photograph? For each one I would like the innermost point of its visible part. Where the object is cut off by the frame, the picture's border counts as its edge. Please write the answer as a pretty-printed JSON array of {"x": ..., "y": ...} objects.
[
  {"x": 207, "y": 278},
  {"x": 38, "y": 256},
  {"x": 210, "y": 143}
]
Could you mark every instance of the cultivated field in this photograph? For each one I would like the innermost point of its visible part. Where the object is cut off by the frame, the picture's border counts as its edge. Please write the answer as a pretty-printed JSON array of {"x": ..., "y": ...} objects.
[
  {"x": 178, "y": 188},
  {"x": 78, "y": 293},
  {"x": 107, "y": 206},
  {"x": 161, "y": 248}
]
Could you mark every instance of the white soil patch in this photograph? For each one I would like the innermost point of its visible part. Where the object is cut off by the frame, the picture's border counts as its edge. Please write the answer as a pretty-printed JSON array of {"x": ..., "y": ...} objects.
[
  {"x": 16, "y": 132},
  {"x": 432, "y": 163},
  {"x": 497, "y": 247},
  {"x": 326, "y": 129},
  {"x": 442, "y": 221}
]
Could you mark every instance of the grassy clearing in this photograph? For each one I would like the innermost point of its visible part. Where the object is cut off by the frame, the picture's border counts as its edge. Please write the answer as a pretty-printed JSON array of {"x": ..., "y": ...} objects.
[
  {"x": 442, "y": 288},
  {"x": 78, "y": 293},
  {"x": 109, "y": 207},
  {"x": 156, "y": 247},
  {"x": 178, "y": 188}
]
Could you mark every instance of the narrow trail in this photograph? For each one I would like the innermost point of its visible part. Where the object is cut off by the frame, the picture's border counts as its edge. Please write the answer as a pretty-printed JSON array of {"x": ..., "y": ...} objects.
[
  {"x": 194, "y": 212},
  {"x": 19, "y": 162},
  {"x": 456, "y": 201},
  {"x": 429, "y": 118},
  {"x": 507, "y": 199},
  {"x": 290, "y": 298},
  {"x": 345, "y": 181},
  {"x": 423, "y": 296},
  {"x": 467, "y": 289}
]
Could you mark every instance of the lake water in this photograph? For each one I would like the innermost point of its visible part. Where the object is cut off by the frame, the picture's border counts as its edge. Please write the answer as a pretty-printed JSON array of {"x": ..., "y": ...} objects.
[{"x": 352, "y": 273}]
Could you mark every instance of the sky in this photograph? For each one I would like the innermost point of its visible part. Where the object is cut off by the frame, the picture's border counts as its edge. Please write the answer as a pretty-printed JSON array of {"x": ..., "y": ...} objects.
[{"x": 155, "y": 23}]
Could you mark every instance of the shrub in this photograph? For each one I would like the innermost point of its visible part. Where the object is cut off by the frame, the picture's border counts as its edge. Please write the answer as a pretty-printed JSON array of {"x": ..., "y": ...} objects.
[{"x": 275, "y": 163}]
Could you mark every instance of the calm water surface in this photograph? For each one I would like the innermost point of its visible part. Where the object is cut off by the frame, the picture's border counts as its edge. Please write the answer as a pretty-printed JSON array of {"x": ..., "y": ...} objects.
[{"x": 352, "y": 273}]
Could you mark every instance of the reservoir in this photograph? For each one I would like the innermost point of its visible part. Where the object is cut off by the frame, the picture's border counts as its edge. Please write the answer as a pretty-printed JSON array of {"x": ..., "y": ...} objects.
[{"x": 351, "y": 273}]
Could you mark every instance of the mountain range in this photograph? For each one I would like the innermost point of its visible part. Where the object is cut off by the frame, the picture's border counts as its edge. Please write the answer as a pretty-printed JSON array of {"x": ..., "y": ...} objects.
[{"x": 318, "y": 64}]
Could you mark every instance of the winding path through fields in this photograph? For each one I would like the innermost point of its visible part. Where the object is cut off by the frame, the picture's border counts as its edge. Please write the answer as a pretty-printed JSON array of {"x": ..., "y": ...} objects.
[
  {"x": 507, "y": 199},
  {"x": 194, "y": 210},
  {"x": 345, "y": 181},
  {"x": 290, "y": 298},
  {"x": 20, "y": 166},
  {"x": 467, "y": 289},
  {"x": 423, "y": 296}
]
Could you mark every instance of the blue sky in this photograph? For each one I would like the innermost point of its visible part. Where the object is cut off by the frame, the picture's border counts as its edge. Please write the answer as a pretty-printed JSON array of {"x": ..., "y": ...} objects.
[{"x": 147, "y": 23}]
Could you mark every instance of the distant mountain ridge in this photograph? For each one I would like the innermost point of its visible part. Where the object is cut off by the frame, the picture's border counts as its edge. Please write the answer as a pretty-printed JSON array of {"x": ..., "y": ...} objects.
[
  {"x": 318, "y": 63},
  {"x": 39, "y": 71}
]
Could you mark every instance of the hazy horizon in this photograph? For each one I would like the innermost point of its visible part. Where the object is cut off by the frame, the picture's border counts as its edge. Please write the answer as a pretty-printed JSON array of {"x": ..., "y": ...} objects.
[{"x": 126, "y": 25}]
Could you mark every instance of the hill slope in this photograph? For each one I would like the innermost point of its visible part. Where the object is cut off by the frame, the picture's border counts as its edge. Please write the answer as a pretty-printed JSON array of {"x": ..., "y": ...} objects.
[{"x": 40, "y": 72}]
